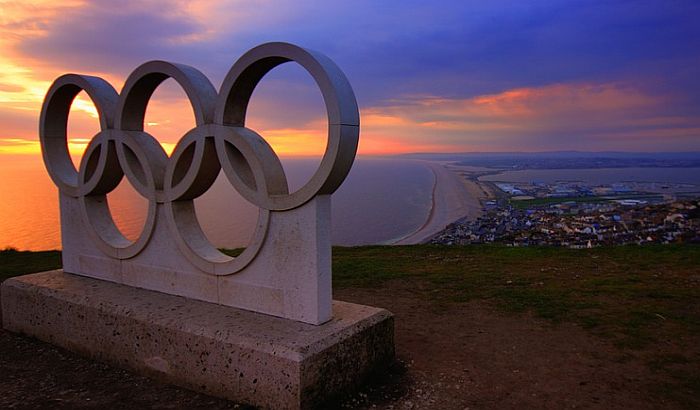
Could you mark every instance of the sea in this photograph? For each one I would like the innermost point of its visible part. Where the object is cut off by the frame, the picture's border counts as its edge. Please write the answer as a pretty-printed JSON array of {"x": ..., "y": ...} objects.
[
  {"x": 382, "y": 200},
  {"x": 658, "y": 180}
]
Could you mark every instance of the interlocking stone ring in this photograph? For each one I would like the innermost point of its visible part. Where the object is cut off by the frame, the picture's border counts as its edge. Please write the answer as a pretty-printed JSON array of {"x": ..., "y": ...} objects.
[{"x": 219, "y": 140}]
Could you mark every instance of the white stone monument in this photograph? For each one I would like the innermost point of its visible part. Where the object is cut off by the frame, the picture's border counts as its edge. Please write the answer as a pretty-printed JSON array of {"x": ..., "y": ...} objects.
[{"x": 265, "y": 320}]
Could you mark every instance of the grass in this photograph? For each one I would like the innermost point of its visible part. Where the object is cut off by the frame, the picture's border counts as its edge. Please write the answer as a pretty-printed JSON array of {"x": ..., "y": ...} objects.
[
  {"x": 640, "y": 297},
  {"x": 625, "y": 292},
  {"x": 14, "y": 262},
  {"x": 540, "y": 202},
  {"x": 636, "y": 296}
]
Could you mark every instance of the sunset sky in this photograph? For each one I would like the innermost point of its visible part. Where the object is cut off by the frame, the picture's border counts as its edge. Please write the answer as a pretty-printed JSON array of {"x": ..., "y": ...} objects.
[{"x": 438, "y": 76}]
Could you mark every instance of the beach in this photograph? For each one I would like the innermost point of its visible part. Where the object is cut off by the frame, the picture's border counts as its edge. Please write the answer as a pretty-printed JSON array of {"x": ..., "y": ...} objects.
[{"x": 453, "y": 197}]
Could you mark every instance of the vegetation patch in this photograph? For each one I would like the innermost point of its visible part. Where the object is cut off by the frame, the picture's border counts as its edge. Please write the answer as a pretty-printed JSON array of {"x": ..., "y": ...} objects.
[
  {"x": 634, "y": 294},
  {"x": 544, "y": 202},
  {"x": 14, "y": 262}
]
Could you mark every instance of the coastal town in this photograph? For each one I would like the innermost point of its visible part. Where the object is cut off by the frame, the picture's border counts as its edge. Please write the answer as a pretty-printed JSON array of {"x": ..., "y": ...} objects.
[{"x": 580, "y": 215}]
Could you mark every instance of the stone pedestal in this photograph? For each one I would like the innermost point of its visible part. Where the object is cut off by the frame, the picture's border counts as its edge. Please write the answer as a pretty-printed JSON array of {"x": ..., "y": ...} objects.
[{"x": 219, "y": 350}]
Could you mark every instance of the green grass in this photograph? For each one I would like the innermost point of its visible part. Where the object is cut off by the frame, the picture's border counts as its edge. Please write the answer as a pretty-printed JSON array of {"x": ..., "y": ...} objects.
[
  {"x": 623, "y": 292},
  {"x": 639, "y": 297},
  {"x": 233, "y": 252},
  {"x": 14, "y": 262},
  {"x": 539, "y": 202}
]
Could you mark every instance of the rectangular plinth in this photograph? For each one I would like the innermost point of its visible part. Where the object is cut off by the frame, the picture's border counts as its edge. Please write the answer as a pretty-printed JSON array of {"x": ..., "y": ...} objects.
[{"x": 227, "y": 352}]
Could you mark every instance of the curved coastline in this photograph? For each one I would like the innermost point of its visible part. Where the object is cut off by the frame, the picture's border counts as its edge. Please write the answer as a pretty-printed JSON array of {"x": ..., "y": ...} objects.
[
  {"x": 431, "y": 214},
  {"x": 453, "y": 198}
]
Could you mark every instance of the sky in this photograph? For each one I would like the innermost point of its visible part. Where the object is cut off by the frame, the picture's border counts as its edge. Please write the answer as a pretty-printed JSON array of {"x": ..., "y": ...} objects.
[{"x": 438, "y": 76}]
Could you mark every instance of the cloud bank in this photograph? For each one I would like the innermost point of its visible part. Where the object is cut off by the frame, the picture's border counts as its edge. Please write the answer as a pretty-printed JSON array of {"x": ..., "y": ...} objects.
[{"x": 439, "y": 76}]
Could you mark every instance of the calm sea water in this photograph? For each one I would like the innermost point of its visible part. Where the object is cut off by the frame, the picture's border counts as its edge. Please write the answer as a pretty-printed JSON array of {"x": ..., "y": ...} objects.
[
  {"x": 381, "y": 200},
  {"x": 602, "y": 175}
]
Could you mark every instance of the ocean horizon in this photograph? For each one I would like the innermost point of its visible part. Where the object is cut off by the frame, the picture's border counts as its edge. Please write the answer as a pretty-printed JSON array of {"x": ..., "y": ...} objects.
[{"x": 382, "y": 200}]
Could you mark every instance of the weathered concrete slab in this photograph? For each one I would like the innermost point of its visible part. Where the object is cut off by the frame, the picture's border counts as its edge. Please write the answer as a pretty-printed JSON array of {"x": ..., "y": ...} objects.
[{"x": 223, "y": 351}]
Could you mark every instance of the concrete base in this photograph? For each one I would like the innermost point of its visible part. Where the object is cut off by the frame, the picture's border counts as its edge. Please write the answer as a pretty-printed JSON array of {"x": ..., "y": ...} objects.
[{"x": 223, "y": 351}]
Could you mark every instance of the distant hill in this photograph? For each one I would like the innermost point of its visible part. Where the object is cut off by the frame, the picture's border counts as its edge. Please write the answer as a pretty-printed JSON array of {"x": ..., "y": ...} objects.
[{"x": 566, "y": 159}]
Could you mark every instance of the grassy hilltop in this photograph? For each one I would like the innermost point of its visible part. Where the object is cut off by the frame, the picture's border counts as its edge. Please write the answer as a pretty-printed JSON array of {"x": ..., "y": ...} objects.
[
  {"x": 618, "y": 291},
  {"x": 638, "y": 299},
  {"x": 622, "y": 292}
]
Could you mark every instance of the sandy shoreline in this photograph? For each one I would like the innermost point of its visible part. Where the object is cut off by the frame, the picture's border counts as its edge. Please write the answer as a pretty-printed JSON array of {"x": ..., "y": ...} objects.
[{"x": 454, "y": 197}]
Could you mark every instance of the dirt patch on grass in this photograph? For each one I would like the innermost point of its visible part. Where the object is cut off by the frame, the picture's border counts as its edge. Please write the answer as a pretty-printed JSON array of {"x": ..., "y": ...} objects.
[{"x": 473, "y": 356}]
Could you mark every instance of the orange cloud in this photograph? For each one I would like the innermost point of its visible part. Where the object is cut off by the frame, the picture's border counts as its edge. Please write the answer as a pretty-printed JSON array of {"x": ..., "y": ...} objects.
[
  {"x": 512, "y": 120},
  {"x": 560, "y": 98},
  {"x": 21, "y": 146},
  {"x": 296, "y": 141},
  {"x": 21, "y": 86},
  {"x": 556, "y": 116},
  {"x": 550, "y": 117},
  {"x": 523, "y": 103}
]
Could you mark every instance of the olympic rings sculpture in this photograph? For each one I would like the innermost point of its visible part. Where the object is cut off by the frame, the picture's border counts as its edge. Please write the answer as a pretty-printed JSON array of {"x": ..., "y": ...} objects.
[{"x": 219, "y": 141}]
